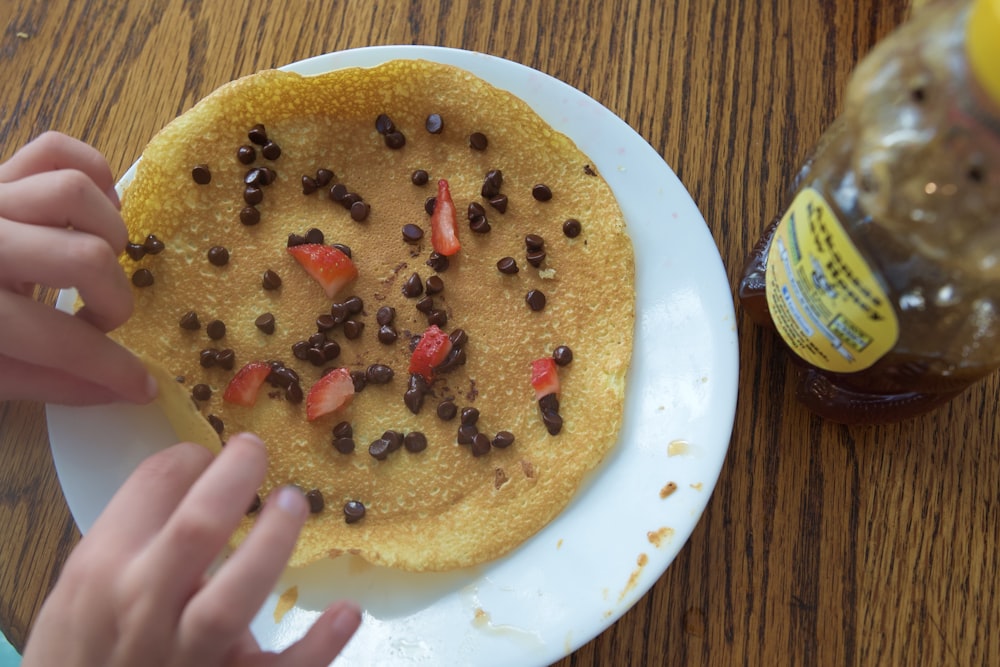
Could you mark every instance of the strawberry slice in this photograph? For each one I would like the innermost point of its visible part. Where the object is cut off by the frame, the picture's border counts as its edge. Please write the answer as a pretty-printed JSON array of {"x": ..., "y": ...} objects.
[
  {"x": 331, "y": 392},
  {"x": 544, "y": 377},
  {"x": 430, "y": 352},
  {"x": 242, "y": 389},
  {"x": 330, "y": 267},
  {"x": 444, "y": 224}
]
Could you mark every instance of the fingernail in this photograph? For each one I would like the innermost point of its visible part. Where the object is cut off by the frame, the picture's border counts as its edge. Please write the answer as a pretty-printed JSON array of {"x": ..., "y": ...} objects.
[
  {"x": 152, "y": 388},
  {"x": 112, "y": 194},
  {"x": 290, "y": 500},
  {"x": 345, "y": 620}
]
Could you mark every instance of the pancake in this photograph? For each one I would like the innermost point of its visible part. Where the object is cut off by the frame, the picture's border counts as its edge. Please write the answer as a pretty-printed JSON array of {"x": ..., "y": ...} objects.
[{"x": 447, "y": 505}]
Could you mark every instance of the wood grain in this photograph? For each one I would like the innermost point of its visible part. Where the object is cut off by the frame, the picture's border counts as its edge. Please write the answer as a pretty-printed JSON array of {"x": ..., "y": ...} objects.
[{"x": 822, "y": 544}]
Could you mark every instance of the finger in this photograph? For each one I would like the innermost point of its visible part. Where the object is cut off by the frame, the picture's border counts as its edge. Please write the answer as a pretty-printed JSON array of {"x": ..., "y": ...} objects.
[
  {"x": 325, "y": 639},
  {"x": 25, "y": 382},
  {"x": 224, "y": 607},
  {"x": 40, "y": 335},
  {"x": 65, "y": 198},
  {"x": 205, "y": 519},
  {"x": 52, "y": 151},
  {"x": 144, "y": 503},
  {"x": 62, "y": 258}
]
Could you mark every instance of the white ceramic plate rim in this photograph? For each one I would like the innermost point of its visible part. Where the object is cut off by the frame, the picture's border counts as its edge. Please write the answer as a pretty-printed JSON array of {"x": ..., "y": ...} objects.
[{"x": 594, "y": 561}]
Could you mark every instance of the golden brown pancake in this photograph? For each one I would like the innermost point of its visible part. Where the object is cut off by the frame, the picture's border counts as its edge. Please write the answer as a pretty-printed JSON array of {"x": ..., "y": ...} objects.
[{"x": 443, "y": 507}]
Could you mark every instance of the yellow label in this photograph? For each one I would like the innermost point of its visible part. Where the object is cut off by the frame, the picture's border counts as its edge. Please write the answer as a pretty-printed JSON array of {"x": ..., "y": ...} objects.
[{"x": 824, "y": 299}]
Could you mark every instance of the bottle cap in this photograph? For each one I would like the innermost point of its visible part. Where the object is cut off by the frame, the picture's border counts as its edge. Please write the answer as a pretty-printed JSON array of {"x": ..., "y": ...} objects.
[{"x": 982, "y": 39}]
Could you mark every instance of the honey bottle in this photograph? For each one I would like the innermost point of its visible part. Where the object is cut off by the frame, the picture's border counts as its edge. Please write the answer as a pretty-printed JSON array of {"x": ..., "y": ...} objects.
[{"x": 882, "y": 277}]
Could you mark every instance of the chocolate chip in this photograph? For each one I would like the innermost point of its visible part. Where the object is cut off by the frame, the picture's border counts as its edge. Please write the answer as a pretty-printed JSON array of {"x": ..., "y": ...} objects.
[
  {"x": 446, "y": 410},
  {"x": 438, "y": 262},
  {"x": 458, "y": 338},
  {"x": 572, "y": 228},
  {"x": 438, "y": 317},
  {"x": 549, "y": 402},
  {"x": 254, "y": 177},
  {"x": 503, "y": 440},
  {"x": 475, "y": 210},
  {"x": 265, "y": 323},
  {"x": 246, "y": 154},
  {"x": 360, "y": 380},
  {"x": 480, "y": 444},
  {"x": 342, "y": 248},
  {"x": 466, "y": 432},
  {"x": 354, "y": 511},
  {"x": 434, "y": 285},
  {"x": 413, "y": 286},
  {"x": 317, "y": 339},
  {"x": 153, "y": 245},
  {"x": 324, "y": 177},
  {"x": 413, "y": 399},
  {"x": 201, "y": 174},
  {"x": 470, "y": 416},
  {"x": 254, "y": 504},
  {"x": 216, "y": 424},
  {"x": 379, "y": 374},
  {"x": 535, "y": 257},
  {"x": 201, "y": 392},
  {"x": 293, "y": 393},
  {"x": 379, "y": 449},
  {"x": 412, "y": 234},
  {"x": 300, "y": 350},
  {"x": 507, "y": 265},
  {"x": 226, "y": 359},
  {"x": 258, "y": 134},
  {"x": 394, "y": 438},
  {"x": 480, "y": 225},
  {"x": 533, "y": 242},
  {"x": 216, "y": 329},
  {"x": 249, "y": 216},
  {"x": 135, "y": 250},
  {"x": 309, "y": 185},
  {"x": 315, "y": 356},
  {"x": 499, "y": 202},
  {"x": 338, "y": 192},
  {"x": 315, "y": 236},
  {"x": 429, "y": 205},
  {"x": 384, "y": 124},
  {"x": 360, "y": 211},
  {"x": 218, "y": 255},
  {"x": 395, "y": 140},
  {"x": 425, "y": 305},
  {"x": 434, "y": 123},
  {"x": 142, "y": 278},
  {"x": 331, "y": 350},
  {"x": 325, "y": 323},
  {"x": 562, "y": 355},
  {"x": 415, "y": 441},
  {"x": 478, "y": 141},
  {"x": 353, "y": 329},
  {"x": 339, "y": 312},
  {"x": 268, "y": 176},
  {"x": 253, "y": 195},
  {"x": 271, "y": 151},
  {"x": 344, "y": 445},
  {"x": 419, "y": 177},
  {"x": 553, "y": 422},
  {"x": 271, "y": 280},
  {"x": 535, "y": 300},
  {"x": 492, "y": 183},
  {"x": 385, "y": 315},
  {"x": 189, "y": 321},
  {"x": 343, "y": 430},
  {"x": 315, "y": 498},
  {"x": 208, "y": 358},
  {"x": 541, "y": 192},
  {"x": 354, "y": 304}
]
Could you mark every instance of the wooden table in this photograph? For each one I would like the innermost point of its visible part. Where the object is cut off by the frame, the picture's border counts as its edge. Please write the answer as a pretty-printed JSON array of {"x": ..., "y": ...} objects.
[{"x": 822, "y": 544}]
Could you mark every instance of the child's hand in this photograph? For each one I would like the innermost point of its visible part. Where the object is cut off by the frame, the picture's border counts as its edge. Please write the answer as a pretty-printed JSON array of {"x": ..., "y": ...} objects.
[
  {"x": 60, "y": 227},
  {"x": 136, "y": 590}
]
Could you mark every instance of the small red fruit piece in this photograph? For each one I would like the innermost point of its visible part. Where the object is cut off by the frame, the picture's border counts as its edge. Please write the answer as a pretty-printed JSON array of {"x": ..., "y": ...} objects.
[
  {"x": 242, "y": 389},
  {"x": 444, "y": 224},
  {"x": 430, "y": 352},
  {"x": 544, "y": 377},
  {"x": 330, "y": 267},
  {"x": 331, "y": 392}
]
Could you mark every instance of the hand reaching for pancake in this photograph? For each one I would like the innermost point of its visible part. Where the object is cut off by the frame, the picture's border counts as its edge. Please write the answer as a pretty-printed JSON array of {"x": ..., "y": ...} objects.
[
  {"x": 60, "y": 227},
  {"x": 135, "y": 591}
]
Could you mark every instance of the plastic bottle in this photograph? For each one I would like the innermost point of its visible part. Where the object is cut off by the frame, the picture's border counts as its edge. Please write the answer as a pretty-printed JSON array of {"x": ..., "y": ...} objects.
[{"x": 882, "y": 277}]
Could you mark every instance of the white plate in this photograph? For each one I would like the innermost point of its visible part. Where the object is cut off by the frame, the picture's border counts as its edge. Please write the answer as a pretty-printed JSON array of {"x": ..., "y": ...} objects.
[{"x": 594, "y": 561}]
